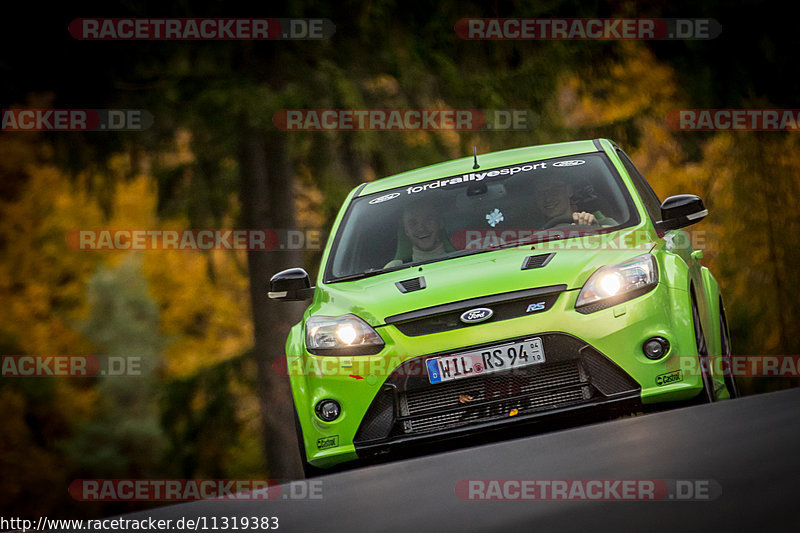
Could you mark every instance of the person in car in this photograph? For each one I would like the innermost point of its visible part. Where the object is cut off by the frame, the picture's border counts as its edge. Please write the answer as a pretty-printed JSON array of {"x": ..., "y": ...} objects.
[
  {"x": 422, "y": 236},
  {"x": 554, "y": 200}
]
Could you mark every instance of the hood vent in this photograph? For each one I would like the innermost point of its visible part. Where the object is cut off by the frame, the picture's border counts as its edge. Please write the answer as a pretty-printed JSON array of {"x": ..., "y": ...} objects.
[
  {"x": 411, "y": 285},
  {"x": 537, "y": 261}
]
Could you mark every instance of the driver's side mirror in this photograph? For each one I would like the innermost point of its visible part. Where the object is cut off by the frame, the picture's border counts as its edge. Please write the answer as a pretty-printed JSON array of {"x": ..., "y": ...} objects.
[
  {"x": 291, "y": 285},
  {"x": 680, "y": 211}
]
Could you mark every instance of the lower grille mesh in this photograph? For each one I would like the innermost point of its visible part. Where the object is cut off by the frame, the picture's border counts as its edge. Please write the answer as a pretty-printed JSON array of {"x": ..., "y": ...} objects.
[
  {"x": 379, "y": 423},
  {"x": 520, "y": 382},
  {"x": 483, "y": 413},
  {"x": 574, "y": 374}
]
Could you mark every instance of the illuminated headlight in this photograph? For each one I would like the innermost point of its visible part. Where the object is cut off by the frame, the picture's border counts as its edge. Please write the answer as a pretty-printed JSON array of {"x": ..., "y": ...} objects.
[
  {"x": 611, "y": 285},
  {"x": 341, "y": 335}
]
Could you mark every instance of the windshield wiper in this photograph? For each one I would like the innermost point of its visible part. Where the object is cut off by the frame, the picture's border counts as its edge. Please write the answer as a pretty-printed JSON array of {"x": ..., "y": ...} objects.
[
  {"x": 367, "y": 274},
  {"x": 350, "y": 277}
]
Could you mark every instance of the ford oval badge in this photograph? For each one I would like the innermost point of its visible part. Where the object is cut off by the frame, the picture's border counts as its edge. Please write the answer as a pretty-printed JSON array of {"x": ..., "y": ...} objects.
[{"x": 474, "y": 316}]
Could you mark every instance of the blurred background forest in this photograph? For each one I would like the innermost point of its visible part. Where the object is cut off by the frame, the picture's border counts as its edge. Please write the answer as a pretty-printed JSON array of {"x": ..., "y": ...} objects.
[{"x": 211, "y": 406}]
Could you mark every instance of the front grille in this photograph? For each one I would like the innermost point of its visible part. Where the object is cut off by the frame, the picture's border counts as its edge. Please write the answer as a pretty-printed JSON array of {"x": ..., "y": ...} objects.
[
  {"x": 496, "y": 411},
  {"x": 448, "y": 317},
  {"x": 574, "y": 374},
  {"x": 493, "y": 396},
  {"x": 523, "y": 381}
]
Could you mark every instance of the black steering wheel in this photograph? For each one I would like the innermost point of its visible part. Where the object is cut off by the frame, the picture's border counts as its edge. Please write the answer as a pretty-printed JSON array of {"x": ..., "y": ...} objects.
[{"x": 558, "y": 221}]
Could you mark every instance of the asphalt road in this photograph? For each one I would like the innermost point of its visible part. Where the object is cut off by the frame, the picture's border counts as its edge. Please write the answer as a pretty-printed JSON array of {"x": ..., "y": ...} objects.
[{"x": 748, "y": 448}]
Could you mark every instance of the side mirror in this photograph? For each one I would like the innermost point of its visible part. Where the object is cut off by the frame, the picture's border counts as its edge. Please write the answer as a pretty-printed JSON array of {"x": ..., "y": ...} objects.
[
  {"x": 291, "y": 285},
  {"x": 681, "y": 210}
]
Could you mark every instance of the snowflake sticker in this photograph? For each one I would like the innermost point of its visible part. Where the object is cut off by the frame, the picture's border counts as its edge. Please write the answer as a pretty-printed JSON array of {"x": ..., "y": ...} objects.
[{"x": 495, "y": 217}]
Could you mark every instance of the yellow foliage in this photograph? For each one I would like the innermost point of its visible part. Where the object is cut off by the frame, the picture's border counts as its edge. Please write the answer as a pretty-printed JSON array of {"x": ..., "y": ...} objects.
[
  {"x": 382, "y": 84},
  {"x": 206, "y": 321},
  {"x": 633, "y": 84},
  {"x": 43, "y": 281}
]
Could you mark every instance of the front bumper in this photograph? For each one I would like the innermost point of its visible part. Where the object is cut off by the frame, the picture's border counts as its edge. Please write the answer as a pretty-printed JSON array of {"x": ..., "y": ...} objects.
[
  {"x": 592, "y": 361},
  {"x": 408, "y": 408}
]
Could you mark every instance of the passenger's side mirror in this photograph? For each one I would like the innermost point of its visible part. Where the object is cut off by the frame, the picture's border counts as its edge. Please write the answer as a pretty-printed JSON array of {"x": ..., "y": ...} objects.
[
  {"x": 291, "y": 285},
  {"x": 681, "y": 210}
]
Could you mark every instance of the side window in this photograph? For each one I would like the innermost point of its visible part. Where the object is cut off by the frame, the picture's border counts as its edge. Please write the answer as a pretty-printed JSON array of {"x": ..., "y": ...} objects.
[{"x": 649, "y": 197}]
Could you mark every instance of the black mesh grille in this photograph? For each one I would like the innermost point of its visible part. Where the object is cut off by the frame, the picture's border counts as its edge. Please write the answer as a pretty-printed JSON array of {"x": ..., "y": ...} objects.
[
  {"x": 537, "y": 261},
  {"x": 607, "y": 378},
  {"x": 381, "y": 417},
  {"x": 495, "y": 411},
  {"x": 411, "y": 285},
  {"x": 523, "y": 381},
  {"x": 526, "y": 389},
  {"x": 574, "y": 374}
]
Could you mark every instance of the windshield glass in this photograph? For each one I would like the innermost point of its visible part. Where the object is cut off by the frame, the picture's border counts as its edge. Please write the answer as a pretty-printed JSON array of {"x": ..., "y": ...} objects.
[{"x": 483, "y": 210}]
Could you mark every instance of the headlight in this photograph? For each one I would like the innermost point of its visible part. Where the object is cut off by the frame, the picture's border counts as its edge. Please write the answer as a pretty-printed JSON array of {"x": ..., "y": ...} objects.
[
  {"x": 341, "y": 335},
  {"x": 611, "y": 285}
]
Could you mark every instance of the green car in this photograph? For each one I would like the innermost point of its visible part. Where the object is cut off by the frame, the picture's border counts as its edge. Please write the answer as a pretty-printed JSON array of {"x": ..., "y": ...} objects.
[{"x": 495, "y": 290}]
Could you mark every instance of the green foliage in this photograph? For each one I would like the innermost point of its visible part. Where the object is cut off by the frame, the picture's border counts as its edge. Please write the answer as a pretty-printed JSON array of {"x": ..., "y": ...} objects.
[{"x": 124, "y": 437}]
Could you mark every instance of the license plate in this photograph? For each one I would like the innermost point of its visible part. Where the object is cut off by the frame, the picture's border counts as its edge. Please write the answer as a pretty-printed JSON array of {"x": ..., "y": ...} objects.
[{"x": 485, "y": 361}]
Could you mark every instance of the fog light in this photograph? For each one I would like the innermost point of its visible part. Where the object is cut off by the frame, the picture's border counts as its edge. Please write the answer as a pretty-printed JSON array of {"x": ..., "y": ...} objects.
[
  {"x": 328, "y": 410},
  {"x": 655, "y": 347}
]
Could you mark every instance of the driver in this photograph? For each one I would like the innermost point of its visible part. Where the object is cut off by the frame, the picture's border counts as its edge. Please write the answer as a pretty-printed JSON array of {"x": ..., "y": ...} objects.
[
  {"x": 423, "y": 227},
  {"x": 553, "y": 199}
]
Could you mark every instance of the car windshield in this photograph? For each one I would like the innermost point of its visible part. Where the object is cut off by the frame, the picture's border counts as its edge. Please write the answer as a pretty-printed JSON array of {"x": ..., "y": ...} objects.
[{"x": 482, "y": 210}]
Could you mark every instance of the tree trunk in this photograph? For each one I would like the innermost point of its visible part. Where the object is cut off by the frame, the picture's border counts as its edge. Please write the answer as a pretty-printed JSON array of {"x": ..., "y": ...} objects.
[{"x": 267, "y": 203}]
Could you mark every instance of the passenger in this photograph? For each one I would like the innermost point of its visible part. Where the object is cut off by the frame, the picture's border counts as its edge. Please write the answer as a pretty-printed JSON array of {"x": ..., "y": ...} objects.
[{"x": 423, "y": 230}]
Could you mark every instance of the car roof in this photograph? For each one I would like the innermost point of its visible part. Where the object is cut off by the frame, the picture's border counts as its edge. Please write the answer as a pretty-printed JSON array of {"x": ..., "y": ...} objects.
[{"x": 487, "y": 161}]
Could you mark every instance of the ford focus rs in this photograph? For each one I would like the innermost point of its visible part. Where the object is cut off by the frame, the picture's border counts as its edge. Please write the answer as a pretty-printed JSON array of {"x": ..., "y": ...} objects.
[{"x": 494, "y": 290}]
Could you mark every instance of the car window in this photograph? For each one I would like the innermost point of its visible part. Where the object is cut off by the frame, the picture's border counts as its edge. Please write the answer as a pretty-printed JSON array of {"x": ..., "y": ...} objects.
[
  {"x": 471, "y": 212},
  {"x": 646, "y": 192}
]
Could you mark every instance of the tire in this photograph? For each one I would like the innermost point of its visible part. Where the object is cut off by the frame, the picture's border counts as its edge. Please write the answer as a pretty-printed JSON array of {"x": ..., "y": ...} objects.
[
  {"x": 727, "y": 358},
  {"x": 707, "y": 395},
  {"x": 309, "y": 470}
]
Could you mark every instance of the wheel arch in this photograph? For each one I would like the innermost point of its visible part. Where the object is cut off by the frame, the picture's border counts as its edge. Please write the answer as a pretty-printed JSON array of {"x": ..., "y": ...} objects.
[
  {"x": 298, "y": 381},
  {"x": 711, "y": 296}
]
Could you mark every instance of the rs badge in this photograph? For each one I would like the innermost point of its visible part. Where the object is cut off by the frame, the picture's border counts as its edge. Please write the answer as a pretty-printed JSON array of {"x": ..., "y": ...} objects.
[{"x": 538, "y": 306}]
